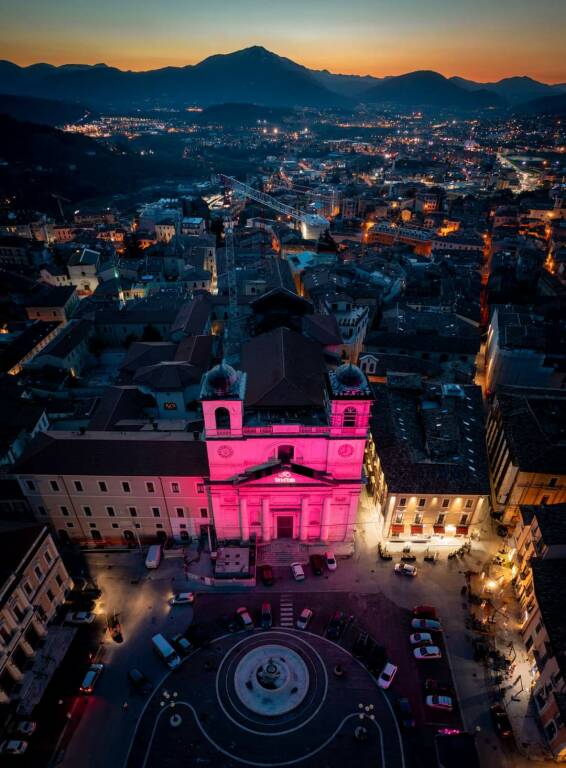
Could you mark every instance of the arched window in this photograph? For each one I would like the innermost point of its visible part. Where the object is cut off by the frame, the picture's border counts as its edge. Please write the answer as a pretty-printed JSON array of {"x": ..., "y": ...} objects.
[
  {"x": 128, "y": 536},
  {"x": 349, "y": 418},
  {"x": 285, "y": 453},
  {"x": 222, "y": 418}
]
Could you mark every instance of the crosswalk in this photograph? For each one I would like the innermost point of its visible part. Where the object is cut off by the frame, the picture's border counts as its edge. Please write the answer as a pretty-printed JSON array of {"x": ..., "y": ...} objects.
[{"x": 286, "y": 610}]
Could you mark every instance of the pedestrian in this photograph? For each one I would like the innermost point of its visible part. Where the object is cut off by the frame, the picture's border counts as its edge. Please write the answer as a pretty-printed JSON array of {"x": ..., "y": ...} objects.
[{"x": 125, "y": 706}]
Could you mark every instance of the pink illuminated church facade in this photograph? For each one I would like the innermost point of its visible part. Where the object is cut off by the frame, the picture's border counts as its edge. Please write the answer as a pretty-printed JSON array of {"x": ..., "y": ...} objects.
[{"x": 285, "y": 439}]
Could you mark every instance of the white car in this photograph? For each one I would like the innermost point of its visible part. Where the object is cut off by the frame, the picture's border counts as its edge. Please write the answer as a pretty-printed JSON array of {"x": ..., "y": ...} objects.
[
  {"x": 405, "y": 569},
  {"x": 79, "y": 617},
  {"x": 431, "y": 624},
  {"x": 330, "y": 561},
  {"x": 13, "y": 747},
  {"x": 386, "y": 677},
  {"x": 420, "y": 637},
  {"x": 243, "y": 616},
  {"x": 424, "y": 652},
  {"x": 440, "y": 702},
  {"x": 304, "y": 619},
  {"x": 297, "y": 572},
  {"x": 182, "y": 598}
]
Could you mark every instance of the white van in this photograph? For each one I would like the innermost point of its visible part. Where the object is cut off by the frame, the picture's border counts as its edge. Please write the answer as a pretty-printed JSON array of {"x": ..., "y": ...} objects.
[
  {"x": 153, "y": 556},
  {"x": 166, "y": 651}
]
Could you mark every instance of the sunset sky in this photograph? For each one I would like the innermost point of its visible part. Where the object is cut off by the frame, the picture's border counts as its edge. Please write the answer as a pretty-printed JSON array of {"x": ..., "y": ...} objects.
[{"x": 479, "y": 39}]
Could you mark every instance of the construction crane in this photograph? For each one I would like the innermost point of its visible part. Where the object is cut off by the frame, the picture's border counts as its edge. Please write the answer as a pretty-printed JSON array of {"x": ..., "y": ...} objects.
[
  {"x": 61, "y": 211},
  {"x": 312, "y": 226}
]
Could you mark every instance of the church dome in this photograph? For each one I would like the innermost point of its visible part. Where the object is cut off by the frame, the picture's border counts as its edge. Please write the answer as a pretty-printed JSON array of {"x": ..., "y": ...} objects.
[
  {"x": 221, "y": 379},
  {"x": 350, "y": 376}
]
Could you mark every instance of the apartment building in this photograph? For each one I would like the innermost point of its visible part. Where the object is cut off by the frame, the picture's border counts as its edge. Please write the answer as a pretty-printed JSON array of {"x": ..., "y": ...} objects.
[
  {"x": 526, "y": 448},
  {"x": 33, "y": 584},
  {"x": 426, "y": 461},
  {"x": 117, "y": 488}
]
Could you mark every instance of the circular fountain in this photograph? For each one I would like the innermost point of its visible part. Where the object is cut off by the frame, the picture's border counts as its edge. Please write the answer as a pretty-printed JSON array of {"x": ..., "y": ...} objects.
[{"x": 271, "y": 680}]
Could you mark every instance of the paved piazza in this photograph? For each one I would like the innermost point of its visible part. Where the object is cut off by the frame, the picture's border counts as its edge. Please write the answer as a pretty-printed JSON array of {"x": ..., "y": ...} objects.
[{"x": 267, "y": 699}]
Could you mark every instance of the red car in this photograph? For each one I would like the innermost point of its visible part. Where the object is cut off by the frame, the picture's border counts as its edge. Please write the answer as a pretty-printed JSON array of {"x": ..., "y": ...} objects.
[{"x": 425, "y": 612}]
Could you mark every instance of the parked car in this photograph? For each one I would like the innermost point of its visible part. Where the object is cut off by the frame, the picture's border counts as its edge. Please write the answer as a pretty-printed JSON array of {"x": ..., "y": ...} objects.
[
  {"x": 139, "y": 681},
  {"x": 243, "y": 616},
  {"x": 501, "y": 721},
  {"x": 405, "y": 569},
  {"x": 376, "y": 659},
  {"x": 386, "y": 677},
  {"x": 13, "y": 747},
  {"x": 424, "y": 652},
  {"x": 437, "y": 687},
  {"x": 305, "y": 618},
  {"x": 330, "y": 561},
  {"x": 182, "y": 598},
  {"x": 336, "y": 625},
  {"x": 425, "y": 612},
  {"x": 440, "y": 702},
  {"x": 181, "y": 644},
  {"x": 25, "y": 727},
  {"x": 297, "y": 572},
  {"x": 317, "y": 564},
  {"x": 266, "y": 618},
  {"x": 405, "y": 713},
  {"x": 362, "y": 646},
  {"x": 79, "y": 617},
  {"x": 91, "y": 678},
  {"x": 266, "y": 575},
  {"x": 420, "y": 637},
  {"x": 431, "y": 624},
  {"x": 228, "y": 624}
]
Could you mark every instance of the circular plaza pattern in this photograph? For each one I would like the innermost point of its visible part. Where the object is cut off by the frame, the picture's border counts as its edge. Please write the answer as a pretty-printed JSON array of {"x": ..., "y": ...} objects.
[
  {"x": 266, "y": 699},
  {"x": 271, "y": 680}
]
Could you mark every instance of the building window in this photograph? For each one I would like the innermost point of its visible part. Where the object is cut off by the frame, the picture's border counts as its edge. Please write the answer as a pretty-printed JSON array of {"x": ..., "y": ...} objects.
[
  {"x": 200, "y": 487},
  {"x": 150, "y": 487},
  {"x": 551, "y": 483},
  {"x": 38, "y": 572},
  {"x": 110, "y": 511},
  {"x": 54, "y": 485},
  {"x": 92, "y": 525},
  {"x": 440, "y": 519},
  {"x": 550, "y": 731},
  {"x": 180, "y": 512},
  {"x": 64, "y": 511},
  {"x": 133, "y": 511},
  {"x": 48, "y": 558},
  {"x": 102, "y": 487},
  {"x": 402, "y": 502},
  {"x": 156, "y": 512},
  {"x": 398, "y": 518},
  {"x": 137, "y": 525},
  {"x": 422, "y": 502},
  {"x": 445, "y": 503},
  {"x": 59, "y": 580},
  {"x": 159, "y": 525},
  {"x": 126, "y": 487},
  {"x": 349, "y": 417},
  {"x": 175, "y": 488},
  {"x": 419, "y": 518},
  {"x": 204, "y": 512},
  {"x": 222, "y": 418},
  {"x": 469, "y": 503},
  {"x": 286, "y": 453},
  {"x": 544, "y": 500},
  {"x": 70, "y": 525},
  {"x": 87, "y": 511},
  {"x": 50, "y": 595},
  {"x": 27, "y": 589},
  {"x": 78, "y": 486},
  {"x": 464, "y": 519},
  {"x": 114, "y": 525},
  {"x": 41, "y": 510},
  {"x": 30, "y": 485}
]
